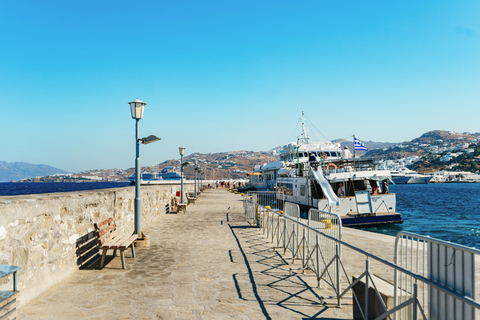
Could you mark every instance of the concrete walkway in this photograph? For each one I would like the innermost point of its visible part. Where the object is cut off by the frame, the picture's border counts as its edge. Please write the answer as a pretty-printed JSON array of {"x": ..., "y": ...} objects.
[{"x": 205, "y": 264}]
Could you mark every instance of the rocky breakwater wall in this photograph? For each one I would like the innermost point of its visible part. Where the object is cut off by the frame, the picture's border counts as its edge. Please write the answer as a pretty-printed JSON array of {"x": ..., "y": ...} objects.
[{"x": 51, "y": 235}]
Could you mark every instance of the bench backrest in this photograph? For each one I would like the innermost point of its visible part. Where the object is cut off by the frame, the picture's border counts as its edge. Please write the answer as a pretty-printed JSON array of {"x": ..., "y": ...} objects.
[{"x": 105, "y": 230}]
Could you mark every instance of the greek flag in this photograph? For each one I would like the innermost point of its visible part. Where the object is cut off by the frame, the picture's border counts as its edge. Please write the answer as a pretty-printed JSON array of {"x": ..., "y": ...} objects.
[{"x": 359, "y": 145}]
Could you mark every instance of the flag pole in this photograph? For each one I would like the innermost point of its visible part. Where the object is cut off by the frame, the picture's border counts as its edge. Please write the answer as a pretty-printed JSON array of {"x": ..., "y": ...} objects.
[{"x": 353, "y": 152}]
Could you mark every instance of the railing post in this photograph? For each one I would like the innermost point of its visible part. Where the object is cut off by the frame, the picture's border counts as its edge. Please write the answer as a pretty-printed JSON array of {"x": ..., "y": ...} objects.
[
  {"x": 304, "y": 261},
  {"x": 367, "y": 284},
  {"x": 308, "y": 235},
  {"x": 294, "y": 236},
  {"x": 278, "y": 230},
  {"x": 415, "y": 293},
  {"x": 339, "y": 289},
  {"x": 317, "y": 260},
  {"x": 284, "y": 235}
]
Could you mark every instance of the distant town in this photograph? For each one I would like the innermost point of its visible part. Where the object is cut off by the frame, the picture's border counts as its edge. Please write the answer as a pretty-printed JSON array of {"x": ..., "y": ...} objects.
[{"x": 452, "y": 155}]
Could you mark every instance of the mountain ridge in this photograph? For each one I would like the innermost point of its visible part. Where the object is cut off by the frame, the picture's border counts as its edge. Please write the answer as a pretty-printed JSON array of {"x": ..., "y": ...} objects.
[{"x": 21, "y": 170}]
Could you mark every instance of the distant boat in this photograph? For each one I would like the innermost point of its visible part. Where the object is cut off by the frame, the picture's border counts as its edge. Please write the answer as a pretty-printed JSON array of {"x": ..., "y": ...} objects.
[
  {"x": 168, "y": 173},
  {"x": 407, "y": 176}
]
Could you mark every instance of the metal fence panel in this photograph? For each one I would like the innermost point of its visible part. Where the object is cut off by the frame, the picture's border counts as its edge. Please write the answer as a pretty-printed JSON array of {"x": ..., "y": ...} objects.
[
  {"x": 449, "y": 265},
  {"x": 433, "y": 279}
]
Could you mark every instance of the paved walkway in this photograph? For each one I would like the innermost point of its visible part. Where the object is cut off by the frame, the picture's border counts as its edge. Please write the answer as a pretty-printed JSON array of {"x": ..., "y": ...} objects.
[{"x": 206, "y": 264}]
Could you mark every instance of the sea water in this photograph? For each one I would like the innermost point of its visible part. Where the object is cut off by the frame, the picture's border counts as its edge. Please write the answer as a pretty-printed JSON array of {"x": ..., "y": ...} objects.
[
  {"x": 446, "y": 211},
  {"x": 19, "y": 188}
]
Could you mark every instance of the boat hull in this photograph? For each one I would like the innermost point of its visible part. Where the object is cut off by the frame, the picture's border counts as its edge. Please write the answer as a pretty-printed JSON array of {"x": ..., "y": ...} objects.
[
  {"x": 419, "y": 180},
  {"x": 371, "y": 220},
  {"x": 361, "y": 220}
]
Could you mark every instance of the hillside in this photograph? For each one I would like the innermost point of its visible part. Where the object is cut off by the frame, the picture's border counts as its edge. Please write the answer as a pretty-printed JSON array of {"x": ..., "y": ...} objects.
[
  {"x": 436, "y": 150},
  {"x": 221, "y": 165},
  {"x": 21, "y": 170}
]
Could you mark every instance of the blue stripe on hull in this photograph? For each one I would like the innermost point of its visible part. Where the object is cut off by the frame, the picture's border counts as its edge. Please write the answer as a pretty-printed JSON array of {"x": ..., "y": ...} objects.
[
  {"x": 363, "y": 220},
  {"x": 371, "y": 220}
]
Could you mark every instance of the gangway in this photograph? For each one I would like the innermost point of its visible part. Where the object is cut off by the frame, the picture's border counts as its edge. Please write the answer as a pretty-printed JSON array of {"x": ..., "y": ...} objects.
[{"x": 325, "y": 186}]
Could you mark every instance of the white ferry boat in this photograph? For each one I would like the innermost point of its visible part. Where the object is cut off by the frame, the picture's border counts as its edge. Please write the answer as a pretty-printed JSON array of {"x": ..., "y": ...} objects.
[
  {"x": 168, "y": 173},
  {"x": 405, "y": 175},
  {"x": 321, "y": 175}
]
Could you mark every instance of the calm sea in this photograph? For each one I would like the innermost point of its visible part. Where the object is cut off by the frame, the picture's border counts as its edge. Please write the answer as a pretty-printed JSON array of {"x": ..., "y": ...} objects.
[
  {"x": 447, "y": 211},
  {"x": 15, "y": 188}
]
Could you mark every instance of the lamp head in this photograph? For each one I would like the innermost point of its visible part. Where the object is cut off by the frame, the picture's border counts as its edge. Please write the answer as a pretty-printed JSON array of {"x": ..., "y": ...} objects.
[
  {"x": 137, "y": 107},
  {"x": 151, "y": 138},
  {"x": 182, "y": 150}
]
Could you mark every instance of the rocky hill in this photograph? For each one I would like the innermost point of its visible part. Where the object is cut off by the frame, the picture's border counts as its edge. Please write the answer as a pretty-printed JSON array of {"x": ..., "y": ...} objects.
[
  {"x": 220, "y": 165},
  {"x": 437, "y": 150}
]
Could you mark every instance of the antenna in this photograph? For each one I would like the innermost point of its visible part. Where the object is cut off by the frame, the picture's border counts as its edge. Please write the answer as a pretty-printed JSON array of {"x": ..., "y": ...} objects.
[{"x": 305, "y": 138}]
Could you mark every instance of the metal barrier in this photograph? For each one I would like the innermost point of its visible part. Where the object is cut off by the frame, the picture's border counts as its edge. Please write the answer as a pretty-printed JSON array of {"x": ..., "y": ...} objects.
[
  {"x": 417, "y": 295},
  {"x": 325, "y": 254},
  {"x": 271, "y": 199},
  {"x": 291, "y": 229},
  {"x": 447, "y": 264}
]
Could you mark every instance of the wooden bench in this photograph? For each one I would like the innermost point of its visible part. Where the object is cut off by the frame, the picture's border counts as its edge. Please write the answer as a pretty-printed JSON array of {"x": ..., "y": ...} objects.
[
  {"x": 8, "y": 299},
  {"x": 182, "y": 207},
  {"x": 190, "y": 197},
  {"x": 176, "y": 206},
  {"x": 109, "y": 237}
]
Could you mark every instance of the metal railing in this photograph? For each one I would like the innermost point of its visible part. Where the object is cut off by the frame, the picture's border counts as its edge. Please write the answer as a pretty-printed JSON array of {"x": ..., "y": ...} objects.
[
  {"x": 450, "y": 265},
  {"x": 318, "y": 243}
]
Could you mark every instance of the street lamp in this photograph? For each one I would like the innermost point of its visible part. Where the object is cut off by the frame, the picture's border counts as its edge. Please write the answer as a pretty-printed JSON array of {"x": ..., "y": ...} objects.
[
  {"x": 199, "y": 177},
  {"x": 196, "y": 168},
  {"x": 182, "y": 152},
  {"x": 137, "y": 107}
]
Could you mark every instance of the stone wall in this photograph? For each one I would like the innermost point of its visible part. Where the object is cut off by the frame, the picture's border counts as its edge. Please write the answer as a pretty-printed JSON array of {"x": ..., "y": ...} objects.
[{"x": 51, "y": 235}]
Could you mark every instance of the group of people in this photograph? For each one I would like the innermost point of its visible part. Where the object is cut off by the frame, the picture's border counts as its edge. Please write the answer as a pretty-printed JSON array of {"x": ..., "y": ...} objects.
[
  {"x": 227, "y": 184},
  {"x": 341, "y": 192},
  {"x": 346, "y": 154}
]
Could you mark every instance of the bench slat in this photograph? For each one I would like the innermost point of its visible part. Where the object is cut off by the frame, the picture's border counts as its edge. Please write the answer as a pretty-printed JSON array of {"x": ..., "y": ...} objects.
[
  {"x": 100, "y": 224},
  {"x": 121, "y": 242},
  {"x": 113, "y": 242},
  {"x": 104, "y": 231}
]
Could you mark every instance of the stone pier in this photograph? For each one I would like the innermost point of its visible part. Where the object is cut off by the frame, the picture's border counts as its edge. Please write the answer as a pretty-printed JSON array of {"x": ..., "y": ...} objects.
[{"x": 205, "y": 264}]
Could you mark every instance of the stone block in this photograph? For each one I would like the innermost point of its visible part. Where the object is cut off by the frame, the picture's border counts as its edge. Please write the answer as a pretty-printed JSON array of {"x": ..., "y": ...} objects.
[{"x": 375, "y": 305}]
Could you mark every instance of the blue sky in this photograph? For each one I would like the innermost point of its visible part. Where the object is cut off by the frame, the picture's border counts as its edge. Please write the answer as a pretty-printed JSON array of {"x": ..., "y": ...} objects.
[{"x": 229, "y": 75}]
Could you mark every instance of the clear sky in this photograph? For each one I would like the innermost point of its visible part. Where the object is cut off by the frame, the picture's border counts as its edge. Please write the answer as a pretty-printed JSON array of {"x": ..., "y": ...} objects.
[{"x": 229, "y": 75}]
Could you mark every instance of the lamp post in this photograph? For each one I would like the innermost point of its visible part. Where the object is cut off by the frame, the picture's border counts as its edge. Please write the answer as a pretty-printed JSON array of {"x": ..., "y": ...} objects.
[
  {"x": 137, "y": 108},
  {"x": 182, "y": 152},
  {"x": 195, "y": 178}
]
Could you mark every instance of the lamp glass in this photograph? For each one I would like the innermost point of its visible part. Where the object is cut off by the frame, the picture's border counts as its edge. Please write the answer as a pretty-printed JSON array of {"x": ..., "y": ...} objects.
[
  {"x": 137, "y": 107},
  {"x": 182, "y": 150}
]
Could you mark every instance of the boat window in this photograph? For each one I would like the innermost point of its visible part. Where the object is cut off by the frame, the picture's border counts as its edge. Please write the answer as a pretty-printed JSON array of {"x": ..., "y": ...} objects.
[
  {"x": 360, "y": 184},
  {"x": 285, "y": 188},
  {"x": 303, "y": 189}
]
